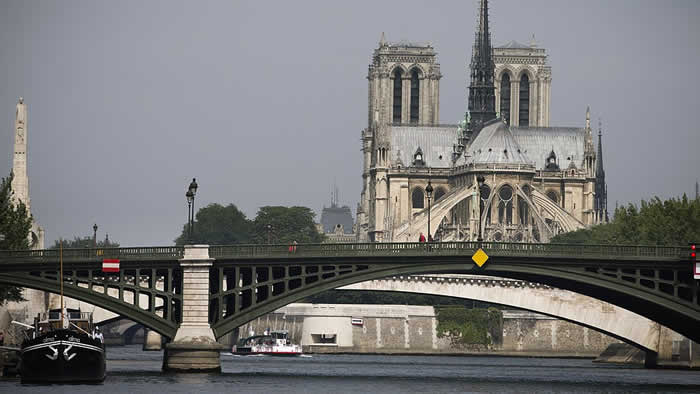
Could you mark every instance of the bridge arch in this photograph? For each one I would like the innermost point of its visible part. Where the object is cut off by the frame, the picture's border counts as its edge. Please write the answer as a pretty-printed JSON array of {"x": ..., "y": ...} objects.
[
  {"x": 246, "y": 281},
  {"x": 602, "y": 285},
  {"x": 148, "y": 317},
  {"x": 586, "y": 311}
]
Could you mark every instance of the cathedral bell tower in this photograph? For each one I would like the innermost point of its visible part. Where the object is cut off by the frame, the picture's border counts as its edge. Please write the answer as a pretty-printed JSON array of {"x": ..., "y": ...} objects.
[
  {"x": 482, "y": 97},
  {"x": 404, "y": 84}
]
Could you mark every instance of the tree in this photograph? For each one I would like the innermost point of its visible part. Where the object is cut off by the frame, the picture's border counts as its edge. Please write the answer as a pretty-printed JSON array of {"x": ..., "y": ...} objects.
[
  {"x": 675, "y": 221},
  {"x": 289, "y": 224},
  {"x": 216, "y": 224},
  {"x": 84, "y": 242},
  {"x": 15, "y": 224}
]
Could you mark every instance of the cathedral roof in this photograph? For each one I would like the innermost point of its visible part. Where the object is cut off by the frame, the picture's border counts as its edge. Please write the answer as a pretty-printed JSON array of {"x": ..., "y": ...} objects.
[
  {"x": 436, "y": 142},
  {"x": 495, "y": 143},
  {"x": 335, "y": 215},
  {"x": 537, "y": 142},
  {"x": 514, "y": 45}
]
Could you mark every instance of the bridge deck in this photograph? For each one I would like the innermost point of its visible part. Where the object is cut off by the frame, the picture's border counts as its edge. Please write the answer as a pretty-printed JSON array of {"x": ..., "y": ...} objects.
[{"x": 349, "y": 250}]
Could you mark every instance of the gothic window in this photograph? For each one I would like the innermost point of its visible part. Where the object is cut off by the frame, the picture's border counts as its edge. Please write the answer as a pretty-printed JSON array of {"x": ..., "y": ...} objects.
[
  {"x": 524, "y": 101},
  {"x": 505, "y": 205},
  {"x": 552, "y": 195},
  {"x": 439, "y": 193},
  {"x": 417, "y": 198},
  {"x": 505, "y": 97},
  {"x": 414, "y": 96},
  {"x": 397, "y": 96}
]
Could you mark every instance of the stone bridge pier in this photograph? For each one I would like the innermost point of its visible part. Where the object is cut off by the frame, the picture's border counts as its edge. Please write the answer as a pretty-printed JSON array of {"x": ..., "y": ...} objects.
[{"x": 194, "y": 347}]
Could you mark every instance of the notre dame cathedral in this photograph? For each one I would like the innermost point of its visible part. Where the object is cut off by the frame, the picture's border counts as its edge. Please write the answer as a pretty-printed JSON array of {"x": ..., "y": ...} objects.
[{"x": 538, "y": 181}]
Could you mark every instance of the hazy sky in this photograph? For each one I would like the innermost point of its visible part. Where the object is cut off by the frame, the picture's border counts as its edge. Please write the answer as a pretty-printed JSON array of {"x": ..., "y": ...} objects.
[{"x": 264, "y": 102}]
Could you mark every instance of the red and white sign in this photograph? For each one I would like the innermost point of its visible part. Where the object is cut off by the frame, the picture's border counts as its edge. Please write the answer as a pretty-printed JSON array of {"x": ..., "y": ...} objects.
[
  {"x": 697, "y": 271},
  {"x": 110, "y": 265}
]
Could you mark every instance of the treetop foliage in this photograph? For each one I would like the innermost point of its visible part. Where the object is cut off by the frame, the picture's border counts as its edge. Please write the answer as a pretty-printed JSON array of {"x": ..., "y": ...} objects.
[
  {"x": 15, "y": 224},
  {"x": 216, "y": 224},
  {"x": 672, "y": 222},
  {"x": 84, "y": 242},
  {"x": 15, "y": 219}
]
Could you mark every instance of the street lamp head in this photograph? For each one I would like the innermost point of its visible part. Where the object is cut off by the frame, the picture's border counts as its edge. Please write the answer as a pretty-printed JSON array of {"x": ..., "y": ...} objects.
[
  {"x": 190, "y": 196},
  {"x": 429, "y": 189},
  {"x": 193, "y": 187},
  {"x": 480, "y": 179},
  {"x": 94, "y": 228}
]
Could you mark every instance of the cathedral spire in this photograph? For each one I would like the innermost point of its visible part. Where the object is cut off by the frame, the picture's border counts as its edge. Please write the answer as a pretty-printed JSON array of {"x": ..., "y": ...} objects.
[
  {"x": 599, "y": 162},
  {"x": 601, "y": 188},
  {"x": 482, "y": 99}
]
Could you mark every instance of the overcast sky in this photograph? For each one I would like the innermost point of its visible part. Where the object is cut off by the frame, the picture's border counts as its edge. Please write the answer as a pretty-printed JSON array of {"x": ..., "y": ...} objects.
[{"x": 264, "y": 102}]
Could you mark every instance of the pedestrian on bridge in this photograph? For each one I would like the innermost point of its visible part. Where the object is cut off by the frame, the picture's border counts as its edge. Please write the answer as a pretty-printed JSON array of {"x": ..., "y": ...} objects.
[{"x": 421, "y": 238}]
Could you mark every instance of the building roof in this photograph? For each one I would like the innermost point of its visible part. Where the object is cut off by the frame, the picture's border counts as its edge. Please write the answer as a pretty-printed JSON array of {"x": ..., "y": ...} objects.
[
  {"x": 495, "y": 143},
  {"x": 436, "y": 142},
  {"x": 335, "y": 215},
  {"x": 514, "y": 45},
  {"x": 568, "y": 144}
]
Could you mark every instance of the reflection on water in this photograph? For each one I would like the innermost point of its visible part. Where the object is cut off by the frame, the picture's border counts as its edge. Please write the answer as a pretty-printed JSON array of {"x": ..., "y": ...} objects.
[{"x": 131, "y": 370}]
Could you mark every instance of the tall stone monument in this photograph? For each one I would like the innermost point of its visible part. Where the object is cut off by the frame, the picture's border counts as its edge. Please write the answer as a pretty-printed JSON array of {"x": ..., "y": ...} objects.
[
  {"x": 20, "y": 183},
  {"x": 36, "y": 300}
]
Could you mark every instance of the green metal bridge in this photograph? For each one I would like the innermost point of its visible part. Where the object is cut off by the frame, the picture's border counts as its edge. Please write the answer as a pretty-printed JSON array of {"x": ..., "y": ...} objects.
[{"x": 247, "y": 281}]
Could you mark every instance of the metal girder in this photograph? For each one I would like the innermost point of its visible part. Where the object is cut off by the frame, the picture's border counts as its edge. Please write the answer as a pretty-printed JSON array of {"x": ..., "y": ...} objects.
[
  {"x": 661, "y": 294},
  {"x": 108, "y": 291},
  {"x": 247, "y": 281}
]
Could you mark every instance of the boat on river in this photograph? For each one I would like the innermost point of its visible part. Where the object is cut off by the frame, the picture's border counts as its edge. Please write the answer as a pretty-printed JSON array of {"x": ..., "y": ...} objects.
[
  {"x": 63, "y": 348},
  {"x": 274, "y": 343}
]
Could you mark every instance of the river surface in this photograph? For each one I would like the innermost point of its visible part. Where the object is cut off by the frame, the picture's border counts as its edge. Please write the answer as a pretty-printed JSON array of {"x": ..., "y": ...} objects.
[{"x": 131, "y": 370}]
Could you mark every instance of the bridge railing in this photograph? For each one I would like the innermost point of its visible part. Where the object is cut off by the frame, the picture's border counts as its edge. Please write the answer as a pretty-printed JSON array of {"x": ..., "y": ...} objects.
[
  {"x": 354, "y": 250},
  {"x": 444, "y": 248},
  {"x": 95, "y": 254}
]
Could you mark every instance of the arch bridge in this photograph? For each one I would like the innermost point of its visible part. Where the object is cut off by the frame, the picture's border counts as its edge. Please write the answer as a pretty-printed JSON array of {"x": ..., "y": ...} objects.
[{"x": 177, "y": 291}]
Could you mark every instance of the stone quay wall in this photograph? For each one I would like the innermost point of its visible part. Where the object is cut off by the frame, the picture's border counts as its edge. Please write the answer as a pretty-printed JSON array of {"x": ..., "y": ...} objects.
[{"x": 337, "y": 328}]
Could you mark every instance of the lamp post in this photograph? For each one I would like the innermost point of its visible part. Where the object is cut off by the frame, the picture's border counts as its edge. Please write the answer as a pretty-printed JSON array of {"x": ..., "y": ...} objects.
[
  {"x": 94, "y": 236},
  {"x": 480, "y": 180},
  {"x": 269, "y": 234},
  {"x": 429, "y": 193},
  {"x": 191, "y": 192}
]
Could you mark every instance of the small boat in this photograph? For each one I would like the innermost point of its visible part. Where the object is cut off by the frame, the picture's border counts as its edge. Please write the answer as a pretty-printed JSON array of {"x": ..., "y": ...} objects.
[
  {"x": 275, "y": 343},
  {"x": 63, "y": 348}
]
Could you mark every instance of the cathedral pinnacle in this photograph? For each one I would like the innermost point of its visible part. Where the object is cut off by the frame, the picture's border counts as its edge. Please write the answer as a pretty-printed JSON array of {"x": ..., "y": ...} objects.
[
  {"x": 482, "y": 98},
  {"x": 588, "y": 117}
]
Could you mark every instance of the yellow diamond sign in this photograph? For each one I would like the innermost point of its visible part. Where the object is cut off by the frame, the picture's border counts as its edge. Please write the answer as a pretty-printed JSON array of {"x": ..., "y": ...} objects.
[{"x": 480, "y": 257}]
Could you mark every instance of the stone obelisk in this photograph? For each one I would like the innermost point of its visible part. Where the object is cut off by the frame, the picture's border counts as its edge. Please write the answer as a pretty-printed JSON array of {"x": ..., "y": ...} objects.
[{"x": 20, "y": 183}]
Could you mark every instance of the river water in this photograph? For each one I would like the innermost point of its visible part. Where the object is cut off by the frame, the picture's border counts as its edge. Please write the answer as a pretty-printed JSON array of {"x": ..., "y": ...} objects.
[{"x": 131, "y": 370}]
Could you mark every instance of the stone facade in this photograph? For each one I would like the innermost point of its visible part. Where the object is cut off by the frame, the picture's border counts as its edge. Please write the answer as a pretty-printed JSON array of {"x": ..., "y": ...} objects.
[{"x": 540, "y": 180}]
